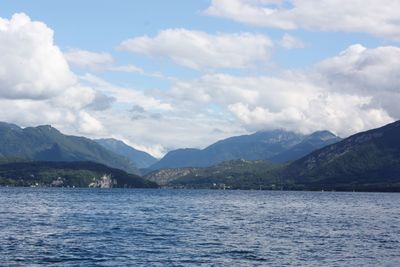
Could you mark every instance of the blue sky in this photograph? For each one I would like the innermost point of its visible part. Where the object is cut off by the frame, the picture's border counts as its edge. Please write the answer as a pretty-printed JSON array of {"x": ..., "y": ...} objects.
[
  {"x": 101, "y": 25},
  {"x": 169, "y": 74}
]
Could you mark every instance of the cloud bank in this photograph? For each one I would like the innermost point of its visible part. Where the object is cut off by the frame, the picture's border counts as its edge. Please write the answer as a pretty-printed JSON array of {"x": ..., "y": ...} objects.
[
  {"x": 355, "y": 90},
  {"x": 368, "y": 16}
]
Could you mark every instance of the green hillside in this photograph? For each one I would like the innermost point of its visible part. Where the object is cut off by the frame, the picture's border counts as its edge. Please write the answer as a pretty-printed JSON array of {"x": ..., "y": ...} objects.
[
  {"x": 68, "y": 174},
  {"x": 367, "y": 161},
  {"x": 45, "y": 143}
]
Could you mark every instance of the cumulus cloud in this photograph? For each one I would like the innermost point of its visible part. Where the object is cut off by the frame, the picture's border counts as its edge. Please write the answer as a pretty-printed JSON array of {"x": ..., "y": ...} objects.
[
  {"x": 354, "y": 91},
  {"x": 97, "y": 61},
  {"x": 26, "y": 112},
  {"x": 369, "y": 16},
  {"x": 361, "y": 69},
  {"x": 32, "y": 67},
  {"x": 38, "y": 87},
  {"x": 366, "y": 72},
  {"x": 36, "y": 84},
  {"x": 201, "y": 50}
]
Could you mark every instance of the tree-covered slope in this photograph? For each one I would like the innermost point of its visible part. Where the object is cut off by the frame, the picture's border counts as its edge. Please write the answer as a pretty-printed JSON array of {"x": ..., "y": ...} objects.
[
  {"x": 68, "y": 174},
  {"x": 234, "y": 174},
  {"x": 45, "y": 143},
  {"x": 367, "y": 161}
]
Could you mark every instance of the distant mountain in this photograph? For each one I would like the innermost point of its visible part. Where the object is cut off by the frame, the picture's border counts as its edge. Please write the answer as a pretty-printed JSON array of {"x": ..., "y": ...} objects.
[
  {"x": 68, "y": 174},
  {"x": 277, "y": 145},
  {"x": 184, "y": 157},
  {"x": 45, "y": 143},
  {"x": 367, "y": 161},
  {"x": 140, "y": 158}
]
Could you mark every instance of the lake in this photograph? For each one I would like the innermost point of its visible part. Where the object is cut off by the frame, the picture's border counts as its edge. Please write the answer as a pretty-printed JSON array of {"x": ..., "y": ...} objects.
[{"x": 153, "y": 227}]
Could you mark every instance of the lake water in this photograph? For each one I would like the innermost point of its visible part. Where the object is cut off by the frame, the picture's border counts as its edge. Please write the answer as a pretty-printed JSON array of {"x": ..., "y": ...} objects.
[{"x": 122, "y": 227}]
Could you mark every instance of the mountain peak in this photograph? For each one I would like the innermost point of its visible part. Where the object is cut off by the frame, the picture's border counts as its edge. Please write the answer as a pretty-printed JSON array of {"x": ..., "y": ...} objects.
[
  {"x": 322, "y": 135},
  {"x": 45, "y": 129}
]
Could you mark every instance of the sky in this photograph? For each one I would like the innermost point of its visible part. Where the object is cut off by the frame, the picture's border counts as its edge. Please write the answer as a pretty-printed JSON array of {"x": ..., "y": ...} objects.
[{"x": 162, "y": 75}]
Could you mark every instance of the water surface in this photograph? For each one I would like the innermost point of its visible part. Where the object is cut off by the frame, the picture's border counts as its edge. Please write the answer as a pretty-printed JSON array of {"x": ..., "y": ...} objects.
[{"x": 120, "y": 227}]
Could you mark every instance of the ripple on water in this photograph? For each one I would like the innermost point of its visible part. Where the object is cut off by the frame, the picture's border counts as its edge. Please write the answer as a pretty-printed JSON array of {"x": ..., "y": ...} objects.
[{"x": 81, "y": 227}]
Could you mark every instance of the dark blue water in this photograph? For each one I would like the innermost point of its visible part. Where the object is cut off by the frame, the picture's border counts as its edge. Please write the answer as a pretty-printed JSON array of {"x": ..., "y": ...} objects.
[{"x": 113, "y": 227}]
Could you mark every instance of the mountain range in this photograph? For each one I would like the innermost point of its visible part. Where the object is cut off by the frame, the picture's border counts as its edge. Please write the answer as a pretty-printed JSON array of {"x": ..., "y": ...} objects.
[
  {"x": 367, "y": 161},
  {"x": 276, "y": 146},
  {"x": 45, "y": 143}
]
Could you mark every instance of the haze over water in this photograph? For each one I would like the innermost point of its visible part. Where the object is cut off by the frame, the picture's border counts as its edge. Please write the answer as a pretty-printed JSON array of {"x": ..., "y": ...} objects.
[{"x": 86, "y": 227}]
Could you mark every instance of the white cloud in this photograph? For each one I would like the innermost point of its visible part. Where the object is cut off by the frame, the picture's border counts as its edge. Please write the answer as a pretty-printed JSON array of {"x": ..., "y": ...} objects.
[
  {"x": 32, "y": 112},
  {"x": 127, "y": 68},
  {"x": 73, "y": 106},
  {"x": 369, "y": 16},
  {"x": 97, "y": 61},
  {"x": 290, "y": 42},
  {"x": 32, "y": 67},
  {"x": 344, "y": 94},
  {"x": 366, "y": 72},
  {"x": 88, "y": 59},
  {"x": 354, "y": 91},
  {"x": 201, "y": 50},
  {"x": 175, "y": 129},
  {"x": 89, "y": 124},
  {"x": 36, "y": 84},
  {"x": 126, "y": 95}
]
